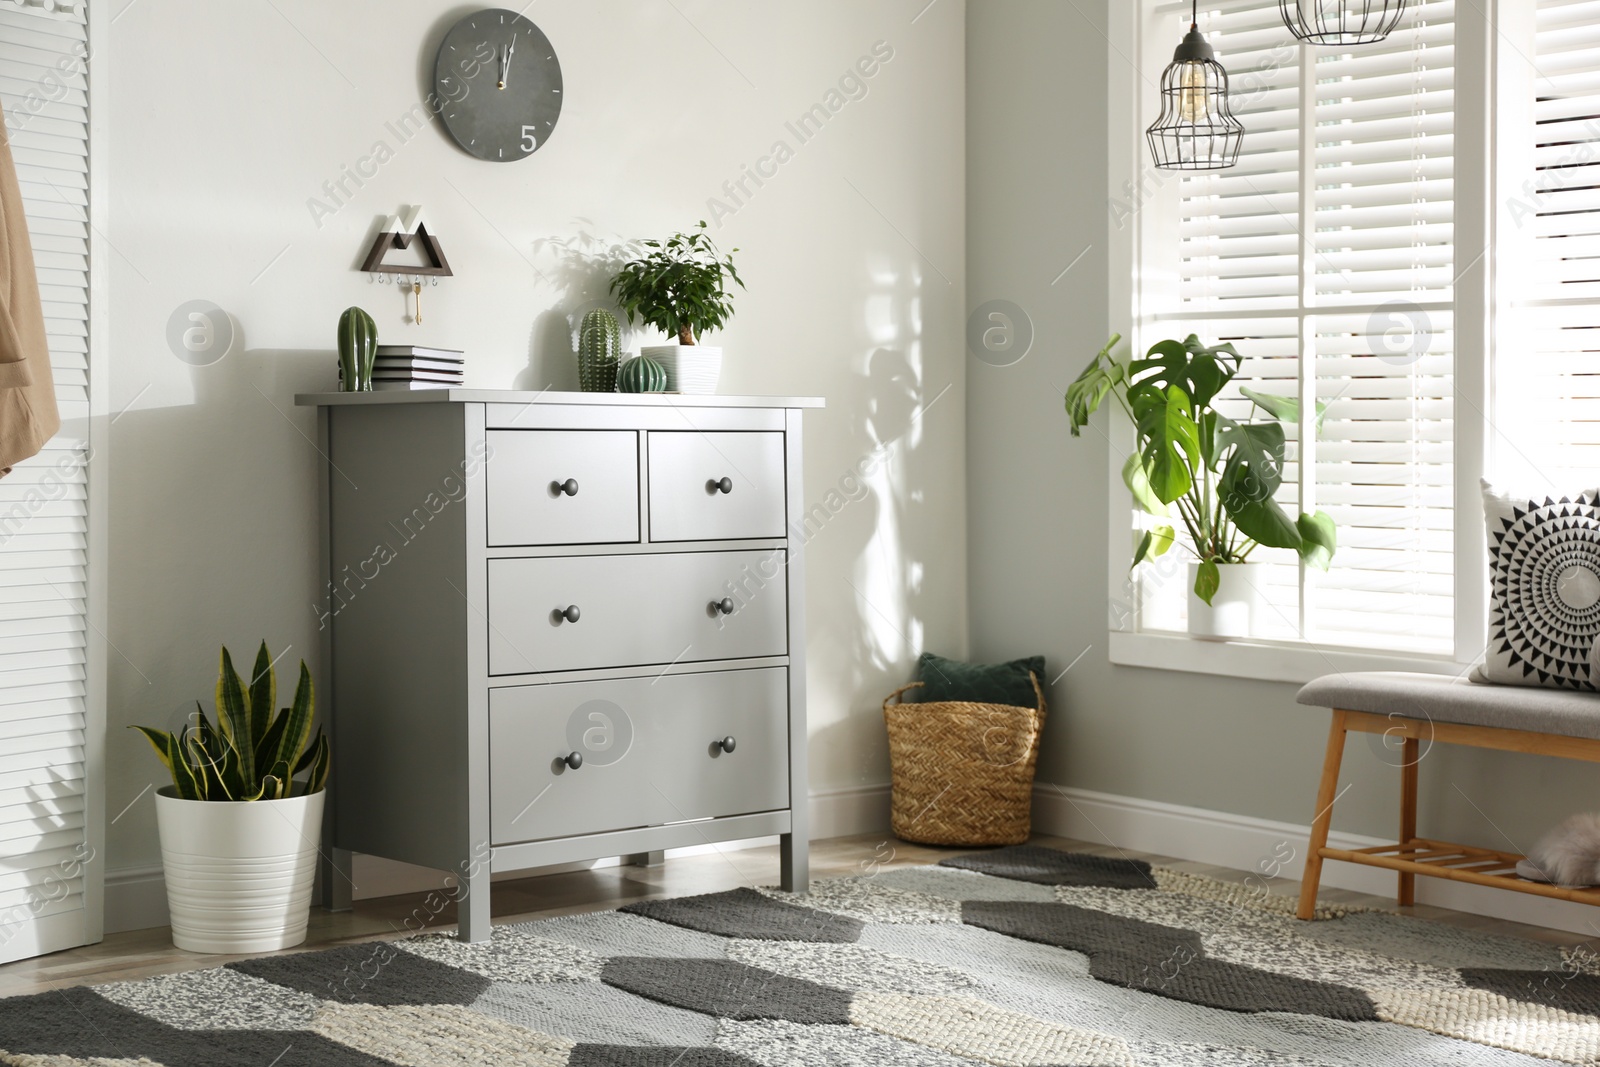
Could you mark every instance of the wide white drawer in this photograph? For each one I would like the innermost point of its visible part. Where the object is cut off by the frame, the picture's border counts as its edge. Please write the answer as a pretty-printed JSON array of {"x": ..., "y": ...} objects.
[
  {"x": 647, "y": 752},
  {"x": 716, "y": 486},
  {"x": 581, "y": 612},
  {"x": 563, "y": 487}
]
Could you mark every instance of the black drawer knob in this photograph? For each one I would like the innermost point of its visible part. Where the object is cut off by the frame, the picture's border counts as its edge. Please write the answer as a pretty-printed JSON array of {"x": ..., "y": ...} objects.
[
  {"x": 574, "y": 761},
  {"x": 570, "y": 613},
  {"x": 724, "y": 485},
  {"x": 727, "y": 744},
  {"x": 723, "y": 606},
  {"x": 569, "y": 487}
]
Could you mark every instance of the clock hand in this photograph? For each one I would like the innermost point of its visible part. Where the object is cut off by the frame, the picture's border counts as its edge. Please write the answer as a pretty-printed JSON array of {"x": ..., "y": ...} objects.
[
  {"x": 505, "y": 67},
  {"x": 505, "y": 60}
]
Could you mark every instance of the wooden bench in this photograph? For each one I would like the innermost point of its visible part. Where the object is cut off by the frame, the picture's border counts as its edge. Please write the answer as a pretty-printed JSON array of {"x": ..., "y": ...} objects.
[{"x": 1425, "y": 709}]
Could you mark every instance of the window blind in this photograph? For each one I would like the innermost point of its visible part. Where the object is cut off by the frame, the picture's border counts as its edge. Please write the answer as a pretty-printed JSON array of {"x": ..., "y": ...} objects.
[
  {"x": 1547, "y": 413},
  {"x": 1327, "y": 260},
  {"x": 44, "y": 504}
]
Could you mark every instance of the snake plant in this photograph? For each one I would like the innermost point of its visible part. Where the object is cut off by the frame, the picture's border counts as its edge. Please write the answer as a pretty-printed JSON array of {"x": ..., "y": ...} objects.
[{"x": 249, "y": 753}]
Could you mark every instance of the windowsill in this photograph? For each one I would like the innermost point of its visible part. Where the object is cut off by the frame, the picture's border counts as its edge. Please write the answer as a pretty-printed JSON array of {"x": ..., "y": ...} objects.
[{"x": 1264, "y": 660}]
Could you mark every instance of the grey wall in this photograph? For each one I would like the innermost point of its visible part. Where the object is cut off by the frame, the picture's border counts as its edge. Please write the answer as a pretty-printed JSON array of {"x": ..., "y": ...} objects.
[
  {"x": 1037, "y": 199},
  {"x": 226, "y": 121}
]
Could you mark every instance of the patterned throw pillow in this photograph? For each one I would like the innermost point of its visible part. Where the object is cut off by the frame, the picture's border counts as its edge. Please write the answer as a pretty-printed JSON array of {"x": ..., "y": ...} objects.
[{"x": 1544, "y": 609}]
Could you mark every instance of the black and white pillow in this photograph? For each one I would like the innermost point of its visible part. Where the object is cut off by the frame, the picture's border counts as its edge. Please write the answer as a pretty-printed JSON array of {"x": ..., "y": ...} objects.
[{"x": 1544, "y": 592}]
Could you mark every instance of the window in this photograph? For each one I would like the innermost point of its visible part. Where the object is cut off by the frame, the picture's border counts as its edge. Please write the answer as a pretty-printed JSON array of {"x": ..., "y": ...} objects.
[
  {"x": 1547, "y": 387},
  {"x": 1331, "y": 258}
]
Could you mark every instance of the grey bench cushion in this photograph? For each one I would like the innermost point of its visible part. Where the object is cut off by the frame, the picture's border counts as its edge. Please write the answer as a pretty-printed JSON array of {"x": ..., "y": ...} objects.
[{"x": 1445, "y": 699}]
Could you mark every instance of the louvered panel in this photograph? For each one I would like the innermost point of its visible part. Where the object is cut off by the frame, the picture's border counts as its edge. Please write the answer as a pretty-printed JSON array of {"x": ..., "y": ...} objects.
[
  {"x": 43, "y": 506},
  {"x": 1547, "y": 413},
  {"x": 42, "y": 717}
]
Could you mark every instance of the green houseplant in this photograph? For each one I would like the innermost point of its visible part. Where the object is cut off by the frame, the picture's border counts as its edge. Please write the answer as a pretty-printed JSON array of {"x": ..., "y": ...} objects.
[
  {"x": 681, "y": 287},
  {"x": 239, "y": 827},
  {"x": 1215, "y": 476}
]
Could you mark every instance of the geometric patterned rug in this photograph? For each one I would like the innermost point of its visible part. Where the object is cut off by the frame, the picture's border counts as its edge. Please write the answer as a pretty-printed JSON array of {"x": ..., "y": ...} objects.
[{"x": 1020, "y": 956}]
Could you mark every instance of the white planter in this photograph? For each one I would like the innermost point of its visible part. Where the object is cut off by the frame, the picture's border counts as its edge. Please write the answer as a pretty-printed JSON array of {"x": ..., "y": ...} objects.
[
  {"x": 1234, "y": 609},
  {"x": 691, "y": 369},
  {"x": 239, "y": 874}
]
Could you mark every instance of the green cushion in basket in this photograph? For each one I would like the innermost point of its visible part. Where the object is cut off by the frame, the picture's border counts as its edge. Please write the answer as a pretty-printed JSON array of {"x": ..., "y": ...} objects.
[{"x": 983, "y": 683}]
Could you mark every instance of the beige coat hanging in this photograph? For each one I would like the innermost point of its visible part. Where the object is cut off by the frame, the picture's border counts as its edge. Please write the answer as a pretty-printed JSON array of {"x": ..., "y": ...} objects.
[{"x": 28, "y": 416}]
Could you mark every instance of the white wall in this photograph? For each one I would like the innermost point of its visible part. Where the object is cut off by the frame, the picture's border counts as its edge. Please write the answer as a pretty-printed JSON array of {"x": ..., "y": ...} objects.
[
  {"x": 226, "y": 118},
  {"x": 1037, "y": 199}
]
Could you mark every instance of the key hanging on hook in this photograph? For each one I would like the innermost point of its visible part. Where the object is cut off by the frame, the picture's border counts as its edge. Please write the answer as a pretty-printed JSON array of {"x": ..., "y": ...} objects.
[{"x": 416, "y": 292}]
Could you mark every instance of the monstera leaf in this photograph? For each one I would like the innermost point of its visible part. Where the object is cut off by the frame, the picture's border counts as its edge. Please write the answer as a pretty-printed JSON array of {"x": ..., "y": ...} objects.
[
  {"x": 1086, "y": 393},
  {"x": 1199, "y": 371},
  {"x": 1169, "y": 440}
]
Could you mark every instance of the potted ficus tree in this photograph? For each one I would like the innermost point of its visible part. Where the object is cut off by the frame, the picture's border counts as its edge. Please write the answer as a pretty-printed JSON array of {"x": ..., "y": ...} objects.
[
  {"x": 239, "y": 826},
  {"x": 1214, "y": 476},
  {"x": 681, "y": 288}
]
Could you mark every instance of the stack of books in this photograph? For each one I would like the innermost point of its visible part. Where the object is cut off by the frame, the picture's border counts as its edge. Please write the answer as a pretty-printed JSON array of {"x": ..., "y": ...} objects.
[{"x": 417, "y": 367}]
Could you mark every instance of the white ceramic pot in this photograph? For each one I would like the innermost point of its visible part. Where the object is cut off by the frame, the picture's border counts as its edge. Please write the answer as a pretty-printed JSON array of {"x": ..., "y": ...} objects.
[
  {"x": 691, "y": 369},
  {"x": 1234, "y": 609},
  {"x": 239, "y": 873}
]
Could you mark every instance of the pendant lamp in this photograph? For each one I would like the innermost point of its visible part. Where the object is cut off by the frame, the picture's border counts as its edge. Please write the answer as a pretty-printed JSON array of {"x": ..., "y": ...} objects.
[
  {"x": 1196, "y": 131},
  {"x": 1342, "y": 21}
]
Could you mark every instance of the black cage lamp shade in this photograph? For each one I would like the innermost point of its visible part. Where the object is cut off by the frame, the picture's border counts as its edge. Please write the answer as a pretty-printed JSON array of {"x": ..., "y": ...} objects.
[
  {"x": 1196, "y": 130},
  {"x": 1342, "y": 21}
]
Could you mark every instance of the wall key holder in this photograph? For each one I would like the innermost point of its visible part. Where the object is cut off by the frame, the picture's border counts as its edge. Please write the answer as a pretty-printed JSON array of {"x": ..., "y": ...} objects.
[{"x": 399, "y": 233}]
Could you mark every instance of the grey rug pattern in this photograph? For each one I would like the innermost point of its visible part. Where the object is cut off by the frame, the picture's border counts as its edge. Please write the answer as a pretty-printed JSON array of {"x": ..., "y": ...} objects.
[{"x": 1020, "y": 957}]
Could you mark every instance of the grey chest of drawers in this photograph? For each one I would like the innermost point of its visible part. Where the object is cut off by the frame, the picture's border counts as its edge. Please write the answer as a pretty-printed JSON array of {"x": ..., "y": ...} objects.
[{"x": 559, "y": 627}]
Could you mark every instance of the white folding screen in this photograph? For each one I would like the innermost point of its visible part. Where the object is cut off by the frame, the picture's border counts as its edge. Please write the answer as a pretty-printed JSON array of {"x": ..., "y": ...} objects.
[{"x": 49, "y": 795}]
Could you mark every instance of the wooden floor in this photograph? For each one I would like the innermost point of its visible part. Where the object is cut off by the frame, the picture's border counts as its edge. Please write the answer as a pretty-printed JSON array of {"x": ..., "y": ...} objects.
[{"x": 141, "y": 953}]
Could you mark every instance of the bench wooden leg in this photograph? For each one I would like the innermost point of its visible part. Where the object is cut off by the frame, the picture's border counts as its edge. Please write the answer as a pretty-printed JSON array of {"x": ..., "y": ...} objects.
[
  {"x": 1326, "y": 792},
  {"x": 1408, "y": 815}
]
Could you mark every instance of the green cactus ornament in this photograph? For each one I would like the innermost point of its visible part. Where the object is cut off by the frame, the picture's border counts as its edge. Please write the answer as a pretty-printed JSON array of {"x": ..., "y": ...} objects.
[
  {"x": 599, "y": 348},
  {"x": 358, "y": 347},
  {"x": 641, "y": 374}
]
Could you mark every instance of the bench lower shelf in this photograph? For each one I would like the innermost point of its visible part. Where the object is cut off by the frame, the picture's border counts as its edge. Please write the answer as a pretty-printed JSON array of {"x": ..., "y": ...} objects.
[{"x": 1461, "y": 863}]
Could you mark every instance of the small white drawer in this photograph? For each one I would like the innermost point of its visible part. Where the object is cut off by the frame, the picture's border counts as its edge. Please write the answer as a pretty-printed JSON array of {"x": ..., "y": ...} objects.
[
  {"x": 647, "y": 752},
  {"x": 563, "y": 487},
  {"x": 582, "y": 612},
  {"x": 716, "y": 486}
]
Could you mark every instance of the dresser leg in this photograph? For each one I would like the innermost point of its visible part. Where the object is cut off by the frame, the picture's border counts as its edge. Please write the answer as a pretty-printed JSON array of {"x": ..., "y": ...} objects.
[
  {"x": 794, "y": 863},
  {"x": 336, "y": 871},
  {"x": 648, "y": 859},
  {"x": 472, "y": 909}
]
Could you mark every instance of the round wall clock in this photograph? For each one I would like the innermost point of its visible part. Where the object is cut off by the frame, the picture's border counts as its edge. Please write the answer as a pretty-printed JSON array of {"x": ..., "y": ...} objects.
[{"x": 499, "y": 85}]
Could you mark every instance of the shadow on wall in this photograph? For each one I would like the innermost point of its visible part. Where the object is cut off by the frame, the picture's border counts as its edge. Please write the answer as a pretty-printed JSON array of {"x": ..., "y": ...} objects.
[
  {"x": 578, "y": 268},
  {"x": 879, "y": 558},
  {"x": 249, "y": 555}
]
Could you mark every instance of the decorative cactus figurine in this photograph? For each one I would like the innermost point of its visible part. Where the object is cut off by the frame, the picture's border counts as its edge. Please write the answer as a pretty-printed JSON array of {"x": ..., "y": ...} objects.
[
  {"x": 599, "y": 346},
  {"x": 358, "y": 347},
  {"x": 641, "y": 374}
]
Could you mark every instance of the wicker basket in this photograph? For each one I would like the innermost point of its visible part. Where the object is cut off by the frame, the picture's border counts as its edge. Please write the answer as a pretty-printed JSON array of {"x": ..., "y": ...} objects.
[{"x": 962, "y": 773}]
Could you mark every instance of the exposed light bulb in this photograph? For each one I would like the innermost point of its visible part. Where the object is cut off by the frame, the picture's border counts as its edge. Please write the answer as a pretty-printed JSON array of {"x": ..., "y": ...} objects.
[{"x": 1193, "y": 101}]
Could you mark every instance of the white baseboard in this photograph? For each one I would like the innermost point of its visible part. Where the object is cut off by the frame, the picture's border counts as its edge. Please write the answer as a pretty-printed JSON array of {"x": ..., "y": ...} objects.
[
  {"x": 1246, "y": 843},
  {"x": 136, "y": 897}
]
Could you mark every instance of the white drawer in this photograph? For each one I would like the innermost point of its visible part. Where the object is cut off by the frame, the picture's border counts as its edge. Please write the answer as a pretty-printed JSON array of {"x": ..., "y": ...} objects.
[
  {"x": 563, "y": 487},
  {"x": 635, "y": 609},
  {"x": 647, "y": 752},
  {"x": 716, "y": 486}
]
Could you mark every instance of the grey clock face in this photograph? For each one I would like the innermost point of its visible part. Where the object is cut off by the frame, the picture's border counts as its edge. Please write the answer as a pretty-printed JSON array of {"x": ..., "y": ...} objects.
[{"x": 499, "y": 85}]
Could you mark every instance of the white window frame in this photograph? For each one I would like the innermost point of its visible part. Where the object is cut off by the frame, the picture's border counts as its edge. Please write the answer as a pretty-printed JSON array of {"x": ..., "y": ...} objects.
[{"x": 1132, "y": 101}]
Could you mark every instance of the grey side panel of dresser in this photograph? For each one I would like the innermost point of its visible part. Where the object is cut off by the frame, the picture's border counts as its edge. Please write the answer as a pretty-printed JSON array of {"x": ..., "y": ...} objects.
[{"x": 400, "y": 703}]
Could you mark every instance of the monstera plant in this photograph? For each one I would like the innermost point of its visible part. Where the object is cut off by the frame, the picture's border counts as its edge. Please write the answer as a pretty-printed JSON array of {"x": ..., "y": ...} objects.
[{"x": 1215, "y": 476}]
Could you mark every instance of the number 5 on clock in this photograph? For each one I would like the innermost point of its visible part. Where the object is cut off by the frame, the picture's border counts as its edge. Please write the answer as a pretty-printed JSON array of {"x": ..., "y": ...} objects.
[{"x": 529, "y": 141}]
